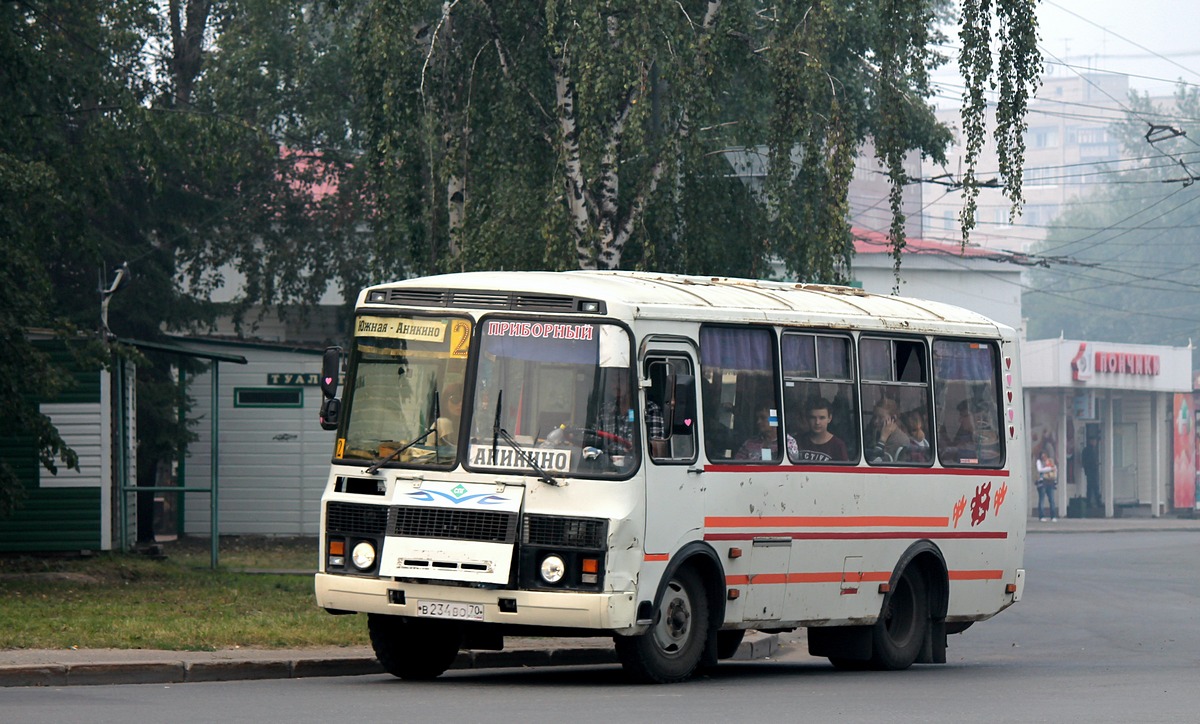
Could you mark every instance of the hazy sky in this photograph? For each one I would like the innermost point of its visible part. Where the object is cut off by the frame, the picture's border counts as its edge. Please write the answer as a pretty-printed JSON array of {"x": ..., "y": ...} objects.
[
  {"x": 1106, "y": 35},
  {"x": 1155, "y": 42}
]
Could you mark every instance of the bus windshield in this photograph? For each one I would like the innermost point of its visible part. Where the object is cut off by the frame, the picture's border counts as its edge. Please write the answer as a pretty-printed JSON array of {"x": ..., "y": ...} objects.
[
  {"x": 561, "y": 394},
  {"x": 406, "y": 389}
]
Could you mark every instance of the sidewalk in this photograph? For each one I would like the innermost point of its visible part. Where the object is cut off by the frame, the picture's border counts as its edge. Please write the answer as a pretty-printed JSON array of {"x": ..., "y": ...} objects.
[
  {"x": 77, "y": 667},
  {"x": 1114, "y": 525}
]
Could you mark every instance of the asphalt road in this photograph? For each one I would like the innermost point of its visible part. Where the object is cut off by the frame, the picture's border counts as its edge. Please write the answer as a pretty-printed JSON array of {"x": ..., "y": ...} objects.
[{"x": 1108, "y": 631}]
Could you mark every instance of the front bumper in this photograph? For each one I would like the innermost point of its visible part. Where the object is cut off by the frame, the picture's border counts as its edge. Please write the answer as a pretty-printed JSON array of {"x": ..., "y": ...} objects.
[{"x": 565, "y": 609}]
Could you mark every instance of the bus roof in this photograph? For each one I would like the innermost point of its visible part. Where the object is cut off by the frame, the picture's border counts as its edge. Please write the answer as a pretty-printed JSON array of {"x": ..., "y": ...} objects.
[{"x": 652, "y": 295}]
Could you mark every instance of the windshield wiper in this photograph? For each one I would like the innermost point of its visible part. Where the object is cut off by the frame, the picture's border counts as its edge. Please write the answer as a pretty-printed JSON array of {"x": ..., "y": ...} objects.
[
  {"x": 374, "y": 467},
  {"x": 499, "y": 433}
]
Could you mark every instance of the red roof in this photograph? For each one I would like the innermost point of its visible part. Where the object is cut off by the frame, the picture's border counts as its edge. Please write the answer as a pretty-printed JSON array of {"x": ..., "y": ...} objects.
[{"x": 876, "y": 242}]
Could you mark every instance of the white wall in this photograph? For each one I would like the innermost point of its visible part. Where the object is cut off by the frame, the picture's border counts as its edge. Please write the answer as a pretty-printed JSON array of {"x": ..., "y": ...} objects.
[{"x": 273, "y": 461}]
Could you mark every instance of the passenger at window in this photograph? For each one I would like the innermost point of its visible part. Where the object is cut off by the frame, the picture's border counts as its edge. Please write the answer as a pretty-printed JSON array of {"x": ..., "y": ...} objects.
[
  {"x": 885, "y": 435},
  {"x": 965, "y": 436},
  {"x": 765, "y": 444},
  {"x": 451, "y": 409},
  {"x": 656, "y": 432},
  {"x": 614, "y": 419},
  {"x": 918, "y": 449},
  {"x": 819, "y": 444}
]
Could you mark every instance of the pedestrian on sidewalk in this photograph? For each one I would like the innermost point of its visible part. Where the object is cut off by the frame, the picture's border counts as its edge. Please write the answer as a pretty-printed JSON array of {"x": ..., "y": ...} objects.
[{"x": 1047, "y": 482}]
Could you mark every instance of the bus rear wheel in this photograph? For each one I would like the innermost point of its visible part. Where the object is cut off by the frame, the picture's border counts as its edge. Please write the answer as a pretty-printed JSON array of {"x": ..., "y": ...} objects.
[
  {"x": 903, "y": 623},
  {"x": 413, "y": 649},
  {"x": 671, "y": 650}
]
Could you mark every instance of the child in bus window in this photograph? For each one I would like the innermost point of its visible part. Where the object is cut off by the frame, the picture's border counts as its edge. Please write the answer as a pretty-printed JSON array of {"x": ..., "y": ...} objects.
[
  {"x": 819, "y": 444},
  {"x": 918, "y": 448}
]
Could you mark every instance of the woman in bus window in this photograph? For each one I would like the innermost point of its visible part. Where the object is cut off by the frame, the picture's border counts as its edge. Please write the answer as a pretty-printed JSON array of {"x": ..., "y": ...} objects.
[{"x": 886, "y": 435}]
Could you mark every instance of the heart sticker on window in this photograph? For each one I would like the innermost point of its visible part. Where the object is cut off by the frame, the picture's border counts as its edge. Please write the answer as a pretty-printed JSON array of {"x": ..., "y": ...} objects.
[{"x": 688, "y": 422}]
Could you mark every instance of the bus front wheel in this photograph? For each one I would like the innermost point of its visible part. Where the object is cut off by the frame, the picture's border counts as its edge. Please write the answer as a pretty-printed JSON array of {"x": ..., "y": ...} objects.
[
  {"x": 413, "y": 649},
  {"x": 671, "y": 650},
  {"x": 903, "y": 623}
]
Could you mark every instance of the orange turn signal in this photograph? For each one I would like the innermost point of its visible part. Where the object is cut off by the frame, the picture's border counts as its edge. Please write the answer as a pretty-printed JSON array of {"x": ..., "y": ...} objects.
[
  {"x": 337, "y": 548},
  {"x": 591, "y": 565}
]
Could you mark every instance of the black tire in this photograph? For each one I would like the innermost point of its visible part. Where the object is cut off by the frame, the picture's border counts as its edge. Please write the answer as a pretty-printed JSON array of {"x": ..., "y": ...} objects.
[
  {"x": 903, "y": 623},
  {"x": 411, "y": 648},
  {"x": 728, "y": 642},
  {"x": 671, "y": 650}
]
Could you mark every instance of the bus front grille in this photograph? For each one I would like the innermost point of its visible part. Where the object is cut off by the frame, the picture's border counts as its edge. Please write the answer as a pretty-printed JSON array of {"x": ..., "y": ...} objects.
[
  {"x": 562, "y": 532},
  {"x": 356, "y": 519},
  {"x": 476, "y": 525}
]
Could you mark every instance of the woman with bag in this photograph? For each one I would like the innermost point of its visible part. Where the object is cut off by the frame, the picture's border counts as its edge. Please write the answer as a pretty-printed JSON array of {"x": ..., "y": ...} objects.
[{"x": 1046, "y": 482}]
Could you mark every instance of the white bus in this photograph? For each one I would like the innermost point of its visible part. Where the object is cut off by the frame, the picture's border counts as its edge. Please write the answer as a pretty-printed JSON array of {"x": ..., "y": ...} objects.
[{"x": 669, "y": 461}]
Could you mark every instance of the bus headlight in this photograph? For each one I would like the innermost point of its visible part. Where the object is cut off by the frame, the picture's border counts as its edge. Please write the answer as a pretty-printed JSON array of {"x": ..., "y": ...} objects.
[
  {"x": 363, "y": 555},
  {"x": 553, "y": 569}
]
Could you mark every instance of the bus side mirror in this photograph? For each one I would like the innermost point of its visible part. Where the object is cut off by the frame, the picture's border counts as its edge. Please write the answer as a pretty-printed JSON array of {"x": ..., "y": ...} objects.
[
  {"x": 330, "y": 412},
  {"x": 331, "y": 369},
  {"x": 683, "y": 420}
]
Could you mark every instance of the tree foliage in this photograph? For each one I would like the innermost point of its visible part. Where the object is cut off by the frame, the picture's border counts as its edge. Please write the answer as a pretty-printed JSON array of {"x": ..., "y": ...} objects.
[
  {"x": 1123, "y": 259},
  {"x": 128, "y": 138},
  {"x": 565, "y": 134},
  {"x": 290, "y": 147}
]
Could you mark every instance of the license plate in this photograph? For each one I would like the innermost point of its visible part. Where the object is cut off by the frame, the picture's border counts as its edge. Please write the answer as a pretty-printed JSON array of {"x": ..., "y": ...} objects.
[{"x": 448, "y": 609}]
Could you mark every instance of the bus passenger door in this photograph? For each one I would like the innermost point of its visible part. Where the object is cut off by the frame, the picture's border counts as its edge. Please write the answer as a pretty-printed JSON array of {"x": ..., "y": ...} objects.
[{"x": 674, "y": 485}]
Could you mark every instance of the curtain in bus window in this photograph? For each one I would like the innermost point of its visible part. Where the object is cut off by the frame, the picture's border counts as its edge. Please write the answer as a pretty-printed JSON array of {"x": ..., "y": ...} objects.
[
  {"x": 962, "y": 361},
  {"x": 875, "y": 357},
  {"x": 800, "y": 356},
  {"x": 834, "y": 357},
  {"x": 737, "y": 349}
]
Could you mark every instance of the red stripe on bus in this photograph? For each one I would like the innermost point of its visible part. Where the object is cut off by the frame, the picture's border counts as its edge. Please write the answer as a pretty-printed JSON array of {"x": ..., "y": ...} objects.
[
  {"x": 655, "y": 557},
  {"x": 837, "y": 577},
  {"x": 863, "y": 535},
  {"x": 824, "y": 521},
  {"x": 856, "y": 469}
]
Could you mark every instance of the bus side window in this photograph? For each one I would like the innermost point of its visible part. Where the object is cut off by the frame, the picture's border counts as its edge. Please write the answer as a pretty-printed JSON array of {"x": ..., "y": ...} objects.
[
  {"x": 670, "y": 410},
  {"x": 966, "y": 390},
  {"x": 896, "y": 393},
  {"x": 739, "y": 377},
  {"x": 818, "y": 379}
]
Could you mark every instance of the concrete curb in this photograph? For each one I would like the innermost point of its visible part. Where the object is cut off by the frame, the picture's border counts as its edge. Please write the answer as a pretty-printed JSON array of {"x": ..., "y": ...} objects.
[{"x": 135, "y": 669}]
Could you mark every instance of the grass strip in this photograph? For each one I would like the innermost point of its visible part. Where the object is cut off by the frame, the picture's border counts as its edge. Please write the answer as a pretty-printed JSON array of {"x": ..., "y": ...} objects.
[{"x": 113, "y": 600}]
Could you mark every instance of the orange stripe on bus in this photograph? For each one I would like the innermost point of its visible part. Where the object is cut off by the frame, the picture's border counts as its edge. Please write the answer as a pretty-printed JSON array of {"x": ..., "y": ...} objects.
[
  {"x": 825, "y": 521},
  {"x": 657, "y": 557},
  {"x": 976, "y": 575}
]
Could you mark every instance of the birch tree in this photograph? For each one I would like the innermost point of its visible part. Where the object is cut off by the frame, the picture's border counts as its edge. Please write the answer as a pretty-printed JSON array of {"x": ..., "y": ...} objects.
[{"x": 565, "y": 134}]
